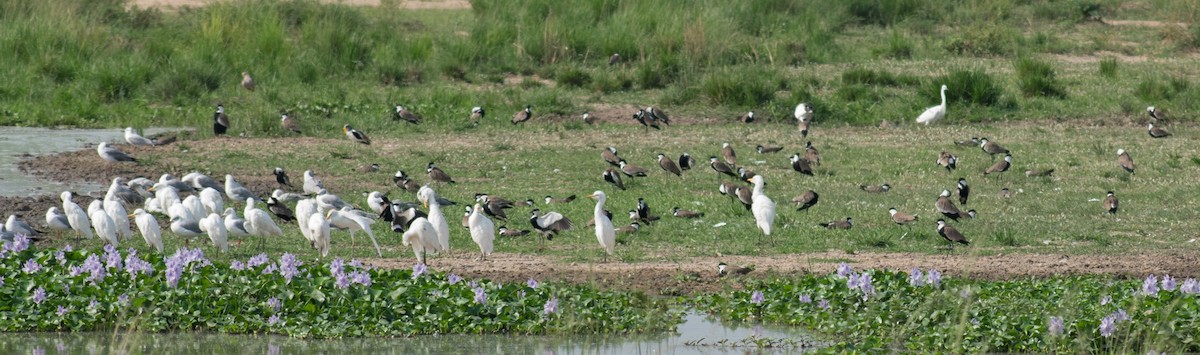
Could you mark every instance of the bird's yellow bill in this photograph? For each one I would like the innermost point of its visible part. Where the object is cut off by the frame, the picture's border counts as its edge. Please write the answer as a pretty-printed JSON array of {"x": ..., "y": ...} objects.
[
  {"x": 329, "y": 214},
  {"x": 748, "y": 180},
  {"x": 131, "y": 215},
  {"x": 151, "y": 189}
]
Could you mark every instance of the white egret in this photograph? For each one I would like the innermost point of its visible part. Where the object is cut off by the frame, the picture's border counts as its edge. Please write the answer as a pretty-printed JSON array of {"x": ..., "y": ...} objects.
[
  {"x": 119, "y": 217},
  {"x": 605, "y": 233},
  {"x": 259, "y": 223},
  {"x": 195, "y": 208},
  {"x": 151, "y": 232},
  {"x": 305, "y": 209},
  {"x": 236, "y": 191},
  {"x": 422, "y": 237},
  {"x": 352, "y": 222},
  {"x": 933, "y": 114},
  {"x": 483, "y": 231},
  {"x": 136, "y": 139},
  {"x": 96, "y": 205},
  {"x": 318, "y": 229},
  {"x": 217, "y": 233},
  {"x": 76, "y": 216},
  {"x": 212, "y": 200},
  {"x": 166, "y": 196},
  {"x": 104, "y": 226},
  {"x": 762, "y": 206},
  {"x": 429, "y": 198}
]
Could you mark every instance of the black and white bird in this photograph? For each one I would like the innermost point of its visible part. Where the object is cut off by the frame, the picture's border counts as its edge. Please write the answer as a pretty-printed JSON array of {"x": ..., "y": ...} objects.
[
  {"x": 220, "y": 121},
  {"x": 748, "y": 117},
  {"x": 282, "y": 178},
  {"x": 1156, "y": 114},
  {"x": 632, "y": 228},
  {"x": 682, "y": 213},
  {"x": 1125, "y": 161},
  {"x": 289, "y": 123},
  {"x": 588, "y": 118},
  {"x": 686, "y": 162},
  {"x": 436, "y": 174},
  {"x": 614, "y": 59},
  {"x": 875, "y": 189},
  {"x": 553, "y": 200},
  {"x": 523, "y": 115},
  {"x": 632, "y": 170},
  {"x": 609, "y": 154},
  {"x": 811, "y": 154},
  {"x": 806, "y": 200},
  {"x": 761, "y": 149},
  {"x": 901, "y": 218},
  {"x": 946, "y": 207},
  {"x": 402, "y": 113},
  {"x": 355, "y": 135},
  {"x": 724, "y": 270},
  {"x": 613, "y": 177},
  {"x": 721, "y": 167},
  {"x": 550, "y": 224},
  {"x": 991, "y": 147},
  {"x": 657, "y": 115},
  {"x": 948, "y": 161},
  {"x": 801, "y": 165},
  {"x": 643, "y": 211},
  {"x": 950, "y": 234},
  {"x": 280, "y": 210},
  {"x": 963, "y": 191},
  {"x": 668, "y": 165},
  {"x": 1000, "y": 166},
  {"x": 1157, "y": 132},
  {"x": 745, "y": 174},
  {"x": 504, "y": 231},
  {"x": 477, "y": 114},
  {"x": 1111, "y": 203},
  {"x": 843, "y": 224}
]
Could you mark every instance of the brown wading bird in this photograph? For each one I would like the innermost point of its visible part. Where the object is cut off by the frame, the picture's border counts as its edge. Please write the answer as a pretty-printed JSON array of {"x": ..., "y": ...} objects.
[
  {"x": 801, "y": 165},
  {"x": 645, "y": 120},
  {"x": 748, "y": 117},
  {"x": 613, "y": 177},
  {"x": 504, "y": 231},
  {"x": 436, "y": 174},
  {"x": 367, "y": 168},
  {"x": 875, "y": 189},
  {"x": 724, "y": 269},
  {"x": 1004, "y": 193},
  {"x": 728, "y": 189},
  {"x": 682, "y": 213},
  {"x": 1156, "y": 132},
  {"x": 1111, "y": 203},
  {"x": 745, "y": 174},
  {"x": 630, "y": 229},
  {"x": 657, "y": 115},
  {"x": 1125, "y": 161},
  {"x": 902, "y": 218},
  {"x": 1000, "y": 166},
  {"x": 846, "y": 224},
  {"x": 1038, "y": 173},
  {"x": 588, "y": 118},
  {"x": 289, "y": 123},
  {"x": 947, "y": 207},
  {"x": 745, "y": 195},
  {"x": 973, "y": 142},
  {"x": 811, "y": 154},
  {"x": 248, "y": 82},
  {"x": 720, "y": 168},
  {"x": 804, "y": 126},
  {"x": 686, "y": 162},
  {"x": 1156, "y": 114},
  {"x": 991, "y": 148},
  {"x": 728, "y": 154},
  {"x": 609, "y": 155},
  {"x": 761, "y": 149},
  {"x": 356, "y": 135},
  {"x": 220, "y": 121},
  {"x": 948, "y": 161},
  {"x": 950, "y": 234},
  {"x": 668, "y": 165},
  {"x": 402, "y": 113},
  {"x": 552, "y": 200},
  {"x": 806, "y": 200},
  {"x": 614, "y": 59},
  {"x": 632, "y": 170},
  {"x": 523, "y": 115}
]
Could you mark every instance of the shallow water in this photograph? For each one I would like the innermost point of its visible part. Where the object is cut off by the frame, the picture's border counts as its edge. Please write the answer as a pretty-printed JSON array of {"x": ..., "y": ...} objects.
[
  {"x": 694, "y": 328},
  {"x": 17, "y": 142}
]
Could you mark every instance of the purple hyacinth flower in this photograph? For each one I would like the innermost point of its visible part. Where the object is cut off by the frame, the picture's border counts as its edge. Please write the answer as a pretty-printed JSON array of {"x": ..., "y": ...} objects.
[
  {"x": 418, "y": 270},
  {"x": 274, "y": 319},
  {"x": 39, "y": 295},
  {"x": 1056, "y": 326},
  {"x": 453, "y": 279},
  {"x": 916, "y": 278},
  {"x": 123, "y": 299},
  {"x": 550, "y": 307},
  {"x": 864, "y": 284},
  {"x": 1190, "y": 286},
  {"x": 62, "y": 311},
  {"x": 805, "y": 298},
  {"x": 532, "y": 283},
  {"x": 257, "y": 260},
  {"x": 1105, "y": 300},
  {"x": 1120, "y": 315},
  {"x": 844, "y": 269},
  {"x": 1107, "y": 326},
  {"x": 852, "y": 281},
  {"x": 289, "y": 267},
  {"x": 1168, "y": 283},
  {"x": 757, "y": 297},
  {"x": 31, "y": 266},
  {"x": 61, "y": 257},
  {"x": 934, "y": 277},
  {"x": 361, "y": 277},
  {"x": 1150, "y": 286},
  {"x": 823, "y": 304},
  {"x": 237, "y": 265},
  {"x": 480, "y": 296},
  {"x": 335, "y": 266},
  {"x": 274, "y": 304}
]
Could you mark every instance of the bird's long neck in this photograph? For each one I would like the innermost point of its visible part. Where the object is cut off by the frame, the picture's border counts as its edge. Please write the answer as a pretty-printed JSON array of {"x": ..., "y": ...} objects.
[
  {"x": 599, "y": 212},
  {"x": 758, "y": 188},
  {"x": 943, "y": 97}
]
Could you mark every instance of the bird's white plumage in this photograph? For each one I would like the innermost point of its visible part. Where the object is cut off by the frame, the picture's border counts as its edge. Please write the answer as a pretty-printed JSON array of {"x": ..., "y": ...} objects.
[
  {"x": 258, "y": 222},
  {"x": 318, "y": 229},
  {"x": 803, "y": 113},
  {"x": 312, "y": 185},
  {"x": 375, "y": 202},
  {"x": 236, "y": 226},
  {"x": 286, "y": 196},
  {"x": 422, "y": 237},
  {"x": 151, "y": 232},
  {"x": 483, "y": 231},
  {"x": 112, "y": 155},
  {"x": 605, "y": 233},
  {"x": 120, "y": 218},
  {"x": 195, "y": 208},
  {"x": 136, "y": 139},
  {"x": 236, "y": 191},
  {"x": 436, "y": 218},
  {"x": 104, "y": 226},
  {"x": 212, "y": 200},
  {"x": 217, "y": 233},
  {"x": 933, "y": 114},
  {"x": 353, "y": 222},
  {"x": 166, "y": 196},
  {"x": 57, "y": 220},
  {"x": 762, "y": 206},
  {"x": 76, "y": 216},
  {"x": 306, "y": 209}
]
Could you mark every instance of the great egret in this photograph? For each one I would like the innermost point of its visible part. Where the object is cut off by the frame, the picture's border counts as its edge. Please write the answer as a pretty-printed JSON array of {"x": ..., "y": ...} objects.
[
  {"x": 212, "y": 200},
  {"x": 318, "y": 230},
  {"x": 166, "y": 196},
  {"x": 436, "y": 218},
  {"x": 76, "y": 216},
  {"x": 762, "y": 206},
  {"x": 136, "y": 139},
  {"x": 483, "y": 231},
  {"x": 933, "y": 114},
  {"x": 151, "y": 232},
  {"x": 195, "y": 208},
  {"x": 104, "y": 226},
  {"x": 236, "y": 191},
  {"x": 605, "y": 233},
  {"x": 259, "y": 223},
  {"x": 422, "y": 237},
  {"x": 119, "y": 217},
  {"x": 352, "y": 222},
  {"x": 217, "y": 233}
]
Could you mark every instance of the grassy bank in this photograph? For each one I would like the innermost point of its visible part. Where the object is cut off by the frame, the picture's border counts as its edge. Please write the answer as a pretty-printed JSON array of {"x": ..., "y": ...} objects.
[{"x": 103, "y": 65}]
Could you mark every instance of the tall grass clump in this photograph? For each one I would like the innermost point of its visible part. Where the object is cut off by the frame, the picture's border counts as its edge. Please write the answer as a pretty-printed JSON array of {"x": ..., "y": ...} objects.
[
  {"x": 1161, "y": 89},
  {"x": 983, "y": 40},
  {"x": 741, "y": 86},
  {"x": 883, "y": 12},
  {"x": 1037, "y": 78},
  {"x": 968, "y": 86},
  {"x": 1108, "y": 67}
]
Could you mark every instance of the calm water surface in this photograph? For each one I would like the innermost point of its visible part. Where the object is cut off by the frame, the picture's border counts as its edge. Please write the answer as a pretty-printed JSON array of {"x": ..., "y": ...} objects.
[{"x": 19, "y": 142}]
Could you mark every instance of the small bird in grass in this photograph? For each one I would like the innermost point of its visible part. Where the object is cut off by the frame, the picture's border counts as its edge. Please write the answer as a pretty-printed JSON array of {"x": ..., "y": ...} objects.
[
  {"x": 642, "y": 213},
  {"x": 644, "y": 119},
  {"x": 686, "y": 162},
  {"x": 609, "y": 154},
  {"x": 248, "y": 82},
  {"x": 355, "y": 135},
  {"x": 113, "y": 155},
  {"x": 280, "y": 210},
  {"x": 948, "y": 161},
  {"x": 801, "y": 165},
  {"x": 761, "y": 149},
  {"x": 1157, "y": 114},
  {"x": 1111, "y": 203},
  {"x": 963, "y": 190},
  {"x": 811, "y": 154},
  {"x": 728, "y": 154},
  {"x": 950, "y": 234},
  {"x": 971, "y": 214},
  {"x": 745, "y": 174},
  {"x": 806, "y": 200},
  {"x": 523, "y": 115},
  {"x": 745, "y": 195},
  {"x": 991, "y": 147},
  {"x": 947, "y": 207},
  {"x": 614, "y": 59},
  {"x": 282, "y": 178},
  {"x": 762, "y": 206},
  {"x": 844, "y": 224},
  {"x": 220, "y": 121},
  {"x": 477, "y": 114},
  {"x": 902, "y": 218},
  {"x": 720, "y": 167},
  {"x": 550, "y": 224},
  {"x": 632, "y": 228},
  {"x": 632, "y": 170},
  {"x": 367, "y": 168},
  {"x": 1038, "y": 173},
  {"x": 973, "y": 142},
  {"x": 504, "y": 231},
  {"x": 682, "y": 213},
  {"x": 1125, "y": 161},
  {"x": 289, "y": 123},
  {"x": 436, "y": 174},
  {"x": 935, "y": 113},
  {"x": 1156, "y": 132},
  {"x": 588, "y": 118},
  {"x": 724, "y": 270},
  {"x": 553, "y": 200},
  {"x": 402, "y": 113},
  {"x": 748, "y": 117},
  {"x": 875, "y": 189},
  {"x": 668, "y": 165},
  {"x": 1000, "y": 166},
  {"x": 613, "y": 177},
  {"x": 657, "y": 115}
]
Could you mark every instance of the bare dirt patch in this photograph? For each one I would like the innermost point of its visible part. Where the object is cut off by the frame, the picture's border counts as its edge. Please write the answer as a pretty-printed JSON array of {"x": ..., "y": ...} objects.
[{"x": 1144, "y": 23}]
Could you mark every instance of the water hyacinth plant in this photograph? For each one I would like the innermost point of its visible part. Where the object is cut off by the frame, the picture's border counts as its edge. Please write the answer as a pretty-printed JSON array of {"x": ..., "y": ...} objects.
[
  {"x": 888, "y": 311},
  {"x": 185, "y": 291}
]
